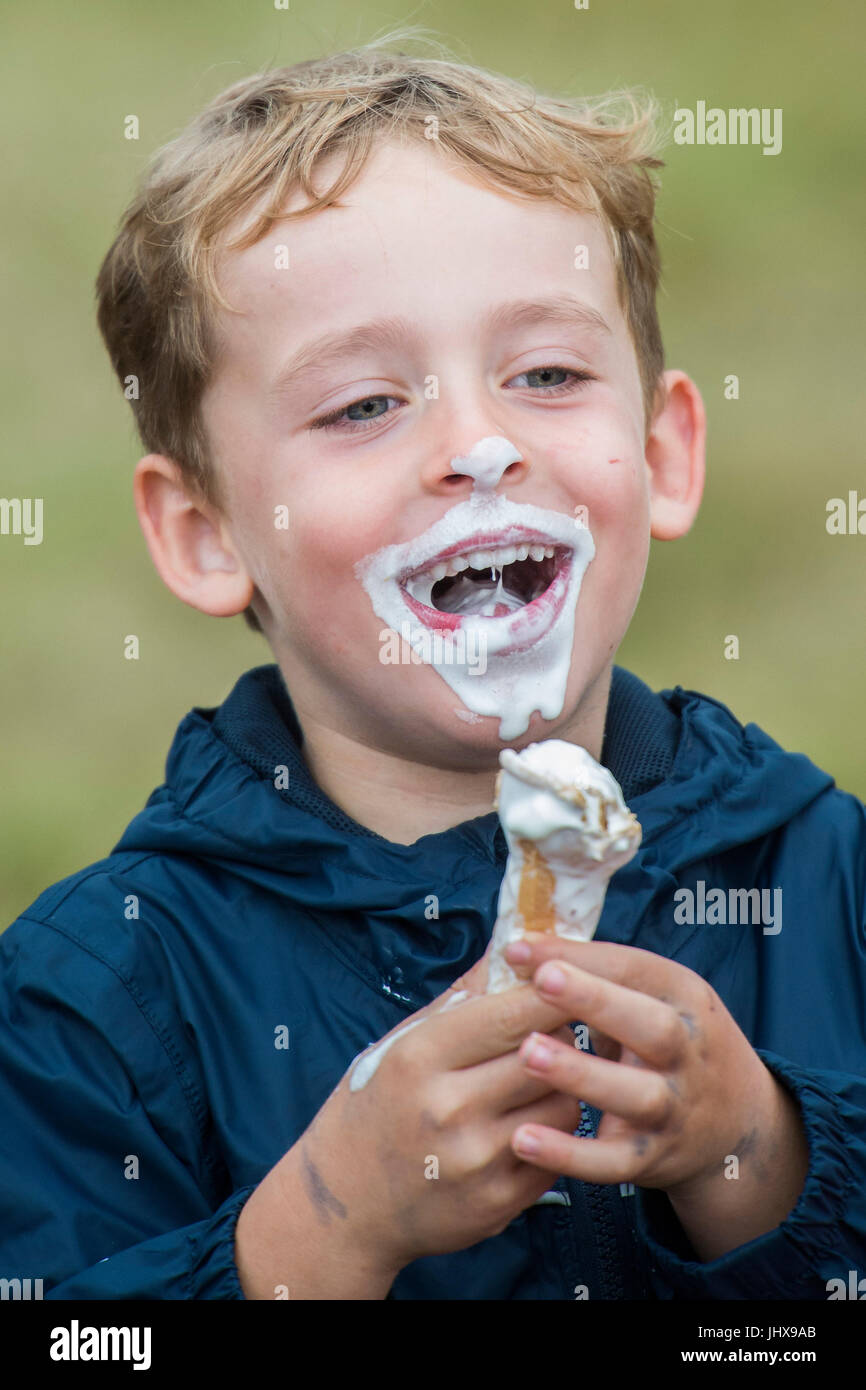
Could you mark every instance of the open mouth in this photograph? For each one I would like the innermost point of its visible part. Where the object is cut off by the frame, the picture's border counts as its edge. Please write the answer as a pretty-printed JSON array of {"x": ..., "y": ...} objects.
[
  {"x": 486, "y": 596},
  {"x": 485, "y": 582},
  {"x": 497, "y": 575}
]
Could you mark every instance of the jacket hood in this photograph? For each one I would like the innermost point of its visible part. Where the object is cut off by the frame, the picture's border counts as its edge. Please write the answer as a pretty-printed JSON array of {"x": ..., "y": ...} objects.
[{"x": 238, "y": 791}]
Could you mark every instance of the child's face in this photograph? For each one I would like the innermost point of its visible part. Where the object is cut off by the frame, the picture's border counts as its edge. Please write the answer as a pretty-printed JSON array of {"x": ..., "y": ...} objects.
[{"x": 452, "y": 266}]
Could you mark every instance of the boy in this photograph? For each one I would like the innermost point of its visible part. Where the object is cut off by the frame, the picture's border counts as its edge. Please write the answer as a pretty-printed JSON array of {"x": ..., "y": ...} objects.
[{"x": 359, "y": 409}]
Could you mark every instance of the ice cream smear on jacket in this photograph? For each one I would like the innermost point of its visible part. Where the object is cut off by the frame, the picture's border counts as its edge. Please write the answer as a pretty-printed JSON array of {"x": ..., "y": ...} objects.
[
  {"x": 568, "y": 830},
  {"x": 487, "y": 594}
]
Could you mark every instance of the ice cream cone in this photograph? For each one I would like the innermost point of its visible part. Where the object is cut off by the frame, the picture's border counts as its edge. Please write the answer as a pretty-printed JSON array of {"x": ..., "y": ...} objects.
[
  {"x": 568, "y": 830},
  {"x": 535, "y": 894}
]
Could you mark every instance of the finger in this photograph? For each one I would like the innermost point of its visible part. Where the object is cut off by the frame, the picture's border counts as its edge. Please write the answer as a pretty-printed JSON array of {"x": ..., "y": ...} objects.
[
  {"x": 505, "y": 1083},
  {"x": 474, "y": 981},
  {"x": 588, "y": 1160},
  {"x": 485, "y": 1026},
  {"x": 554, "y": 1112},
  {"x": 625, "y": 965},
  {"x": 653, "y": 1030},
  {"x": 469, "y": 985},
  {"x": 453, "y": 998},
  {"x": 643, "y": 1097}
]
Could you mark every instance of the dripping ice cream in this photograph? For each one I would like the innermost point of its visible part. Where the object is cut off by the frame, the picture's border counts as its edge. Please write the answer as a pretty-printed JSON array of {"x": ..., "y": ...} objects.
[
  {"x": 501, "y": 577},
  {"x": 568, "y": 830}
]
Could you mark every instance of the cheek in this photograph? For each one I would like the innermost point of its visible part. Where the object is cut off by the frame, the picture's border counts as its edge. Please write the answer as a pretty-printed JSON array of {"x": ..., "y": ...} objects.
[
  {"x": 622, "y": 498},
  {"x": 600, "y": 458},
  {"x": 324, "y": 542},
  {"x": 611, "y": 486},
  {"x": 620, "y": 523}
]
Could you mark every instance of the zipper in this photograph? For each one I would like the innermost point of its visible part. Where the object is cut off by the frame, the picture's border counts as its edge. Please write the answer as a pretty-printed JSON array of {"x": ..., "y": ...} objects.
[{"x": 597, "y": 1197}]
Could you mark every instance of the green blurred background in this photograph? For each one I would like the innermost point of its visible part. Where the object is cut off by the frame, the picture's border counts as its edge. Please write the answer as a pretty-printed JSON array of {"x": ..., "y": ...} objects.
[{"x": 763, "y": 277}]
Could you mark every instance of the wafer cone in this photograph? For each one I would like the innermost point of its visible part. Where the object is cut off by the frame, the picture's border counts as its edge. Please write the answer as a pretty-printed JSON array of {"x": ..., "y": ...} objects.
[{"x": 535, "y": 893}]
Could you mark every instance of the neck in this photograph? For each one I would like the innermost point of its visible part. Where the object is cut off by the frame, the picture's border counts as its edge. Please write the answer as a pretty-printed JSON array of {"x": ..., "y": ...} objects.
[{"x": 402, "y": 800}]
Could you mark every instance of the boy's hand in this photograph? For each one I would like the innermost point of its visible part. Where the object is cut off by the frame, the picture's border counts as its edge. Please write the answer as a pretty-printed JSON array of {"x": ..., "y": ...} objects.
[
  {"x": 419, "y": 1160},
  {"x": 682, "y": 1090}
]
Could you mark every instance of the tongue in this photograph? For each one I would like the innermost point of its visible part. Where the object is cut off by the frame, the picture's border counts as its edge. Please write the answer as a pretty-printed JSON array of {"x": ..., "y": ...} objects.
[{"x": 481, "y": 598}]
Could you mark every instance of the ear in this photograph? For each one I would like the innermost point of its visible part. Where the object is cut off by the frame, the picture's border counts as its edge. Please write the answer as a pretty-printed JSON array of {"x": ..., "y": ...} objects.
[
  {"x": 675, "y": 456},
  {"x": 188, "y": 540}
]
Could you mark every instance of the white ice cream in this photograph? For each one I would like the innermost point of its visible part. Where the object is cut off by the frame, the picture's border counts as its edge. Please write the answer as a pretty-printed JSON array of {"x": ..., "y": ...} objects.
[
  {"x": 527, "y": 648},
  {"x": 487, "y": 461},
  {"x": 366, "y": 1064},
  {"x": 556, "y": 795}
]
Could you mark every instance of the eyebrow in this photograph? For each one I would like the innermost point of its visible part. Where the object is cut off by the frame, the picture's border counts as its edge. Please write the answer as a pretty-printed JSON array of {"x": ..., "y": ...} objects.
[{"x": 331, "y": 348}]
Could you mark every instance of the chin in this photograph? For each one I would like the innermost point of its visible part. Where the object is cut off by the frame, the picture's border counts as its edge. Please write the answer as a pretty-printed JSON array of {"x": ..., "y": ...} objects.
[{"x": 444, "y": 730}]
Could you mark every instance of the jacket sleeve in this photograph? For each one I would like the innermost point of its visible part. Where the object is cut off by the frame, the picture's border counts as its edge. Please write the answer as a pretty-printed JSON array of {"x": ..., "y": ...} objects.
[
  {"x": 194, "y": 1261},
  {"x": 822, "y": 1238},
  {"x": 109, "y": 1188}
]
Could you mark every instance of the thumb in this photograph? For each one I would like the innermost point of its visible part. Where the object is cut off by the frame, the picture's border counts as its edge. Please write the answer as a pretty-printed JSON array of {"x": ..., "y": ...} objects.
[{"x": 475, "y": 979}]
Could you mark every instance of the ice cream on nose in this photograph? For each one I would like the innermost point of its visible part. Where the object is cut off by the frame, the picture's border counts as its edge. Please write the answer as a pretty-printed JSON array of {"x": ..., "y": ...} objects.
[
  {"x": 568, "y": 830},
  {"x": 487, "y": 461}
]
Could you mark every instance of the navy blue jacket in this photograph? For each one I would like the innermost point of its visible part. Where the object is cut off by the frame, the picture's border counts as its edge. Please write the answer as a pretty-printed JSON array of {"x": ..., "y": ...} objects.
[{"x": 141, "y": 1000}]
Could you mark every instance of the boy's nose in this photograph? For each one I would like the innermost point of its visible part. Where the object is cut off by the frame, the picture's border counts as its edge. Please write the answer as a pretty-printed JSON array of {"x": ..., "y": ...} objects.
[
  {"x": 487, "y": 461},
  {"x": 485, "y": 464}
]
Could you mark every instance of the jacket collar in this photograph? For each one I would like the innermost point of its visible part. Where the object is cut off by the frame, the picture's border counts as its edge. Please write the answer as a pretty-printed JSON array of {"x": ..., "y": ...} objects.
[
  {"x": 258, "y": 723},
  {"x": 414, "y": 917}
]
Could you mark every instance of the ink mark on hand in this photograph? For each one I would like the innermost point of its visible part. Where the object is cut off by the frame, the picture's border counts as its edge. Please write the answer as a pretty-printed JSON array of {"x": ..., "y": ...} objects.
[
  {"x": 323, "y": 1198},
  {"x": 689, "y": 1020}
]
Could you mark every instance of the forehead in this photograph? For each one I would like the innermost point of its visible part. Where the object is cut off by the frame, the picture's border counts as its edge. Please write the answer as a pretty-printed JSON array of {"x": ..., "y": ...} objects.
[{"x": 417, "y": 234}]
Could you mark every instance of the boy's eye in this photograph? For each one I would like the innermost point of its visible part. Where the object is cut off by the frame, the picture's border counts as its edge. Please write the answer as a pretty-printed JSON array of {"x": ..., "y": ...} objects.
[
  {"x": 368, "y": 410},
  {"x": 545, "y": 373},
  {"x": 343, "y": 419}
]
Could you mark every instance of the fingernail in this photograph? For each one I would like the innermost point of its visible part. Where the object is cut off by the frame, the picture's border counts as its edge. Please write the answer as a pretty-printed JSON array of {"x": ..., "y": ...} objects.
[
  {"x": 518, "y": 951},
  {"x": 525, "y": 1142},
  {"x": 550, "y": 979},
  {"x": 536, "y": 1053}
]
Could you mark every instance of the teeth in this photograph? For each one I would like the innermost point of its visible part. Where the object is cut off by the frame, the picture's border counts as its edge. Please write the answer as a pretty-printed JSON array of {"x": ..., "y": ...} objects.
[{"x": 496, "y": 558}]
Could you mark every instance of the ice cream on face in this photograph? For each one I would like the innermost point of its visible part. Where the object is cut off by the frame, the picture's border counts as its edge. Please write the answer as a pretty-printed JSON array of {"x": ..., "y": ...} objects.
[
  {"x": 494, "y": 577},
  {"x": 568, "y": 830},
  {"x": 487, "y": 461}
]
